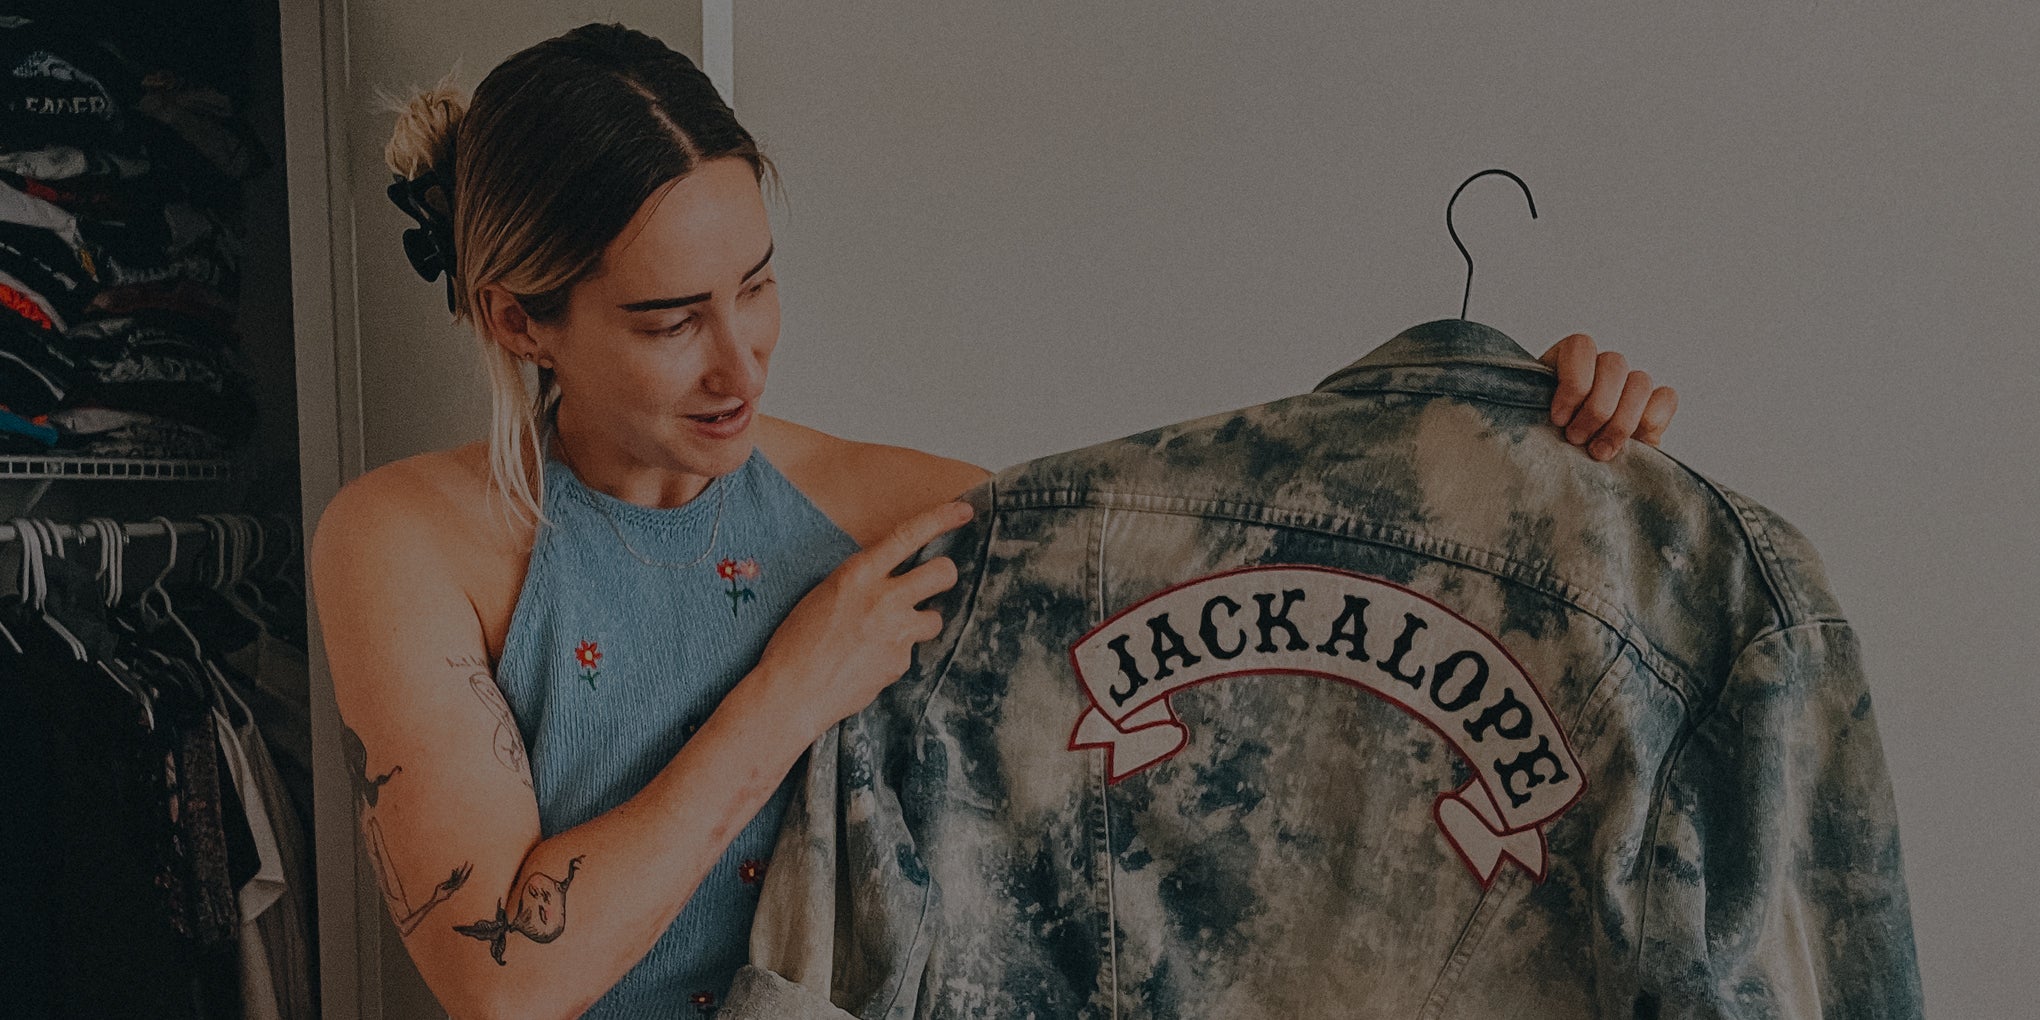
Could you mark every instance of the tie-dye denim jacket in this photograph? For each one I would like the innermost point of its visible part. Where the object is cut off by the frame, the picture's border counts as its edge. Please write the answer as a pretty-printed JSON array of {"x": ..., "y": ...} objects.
[{"x": 1378, "y": 701}]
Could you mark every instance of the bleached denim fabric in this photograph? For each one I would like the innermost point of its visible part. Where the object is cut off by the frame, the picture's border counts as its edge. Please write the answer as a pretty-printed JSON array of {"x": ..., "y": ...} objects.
[{"x": 1377, "y": 701}]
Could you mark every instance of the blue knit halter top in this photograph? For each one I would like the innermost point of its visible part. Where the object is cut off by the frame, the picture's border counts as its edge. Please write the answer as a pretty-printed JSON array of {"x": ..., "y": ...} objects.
[{"x": 611, "y": 664}]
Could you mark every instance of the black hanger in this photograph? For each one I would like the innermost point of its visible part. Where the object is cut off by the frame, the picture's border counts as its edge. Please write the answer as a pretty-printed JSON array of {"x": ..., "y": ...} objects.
[{"x": 1455, "y": 233}]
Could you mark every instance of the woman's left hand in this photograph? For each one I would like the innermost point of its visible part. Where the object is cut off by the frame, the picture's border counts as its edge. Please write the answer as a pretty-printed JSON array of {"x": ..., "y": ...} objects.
[{"x": 1600, "y": 403}]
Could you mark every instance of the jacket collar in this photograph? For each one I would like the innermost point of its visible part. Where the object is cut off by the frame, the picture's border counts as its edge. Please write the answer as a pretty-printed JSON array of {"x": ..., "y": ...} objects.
[{"x": 1453, "y": 356}]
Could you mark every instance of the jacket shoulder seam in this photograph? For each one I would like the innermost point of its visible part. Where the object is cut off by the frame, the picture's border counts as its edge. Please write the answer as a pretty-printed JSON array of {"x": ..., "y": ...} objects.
[
  {"x": 966, "y": 614},
  {"x": 1785, "y": 599}
]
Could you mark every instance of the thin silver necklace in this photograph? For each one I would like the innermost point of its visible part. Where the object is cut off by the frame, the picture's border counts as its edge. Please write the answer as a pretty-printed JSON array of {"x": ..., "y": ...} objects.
[{"x": 721, "y": 496}]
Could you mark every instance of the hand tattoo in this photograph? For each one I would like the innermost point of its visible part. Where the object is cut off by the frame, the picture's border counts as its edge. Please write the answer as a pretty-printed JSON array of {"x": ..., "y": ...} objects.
[{"x": 409, "y": 922}]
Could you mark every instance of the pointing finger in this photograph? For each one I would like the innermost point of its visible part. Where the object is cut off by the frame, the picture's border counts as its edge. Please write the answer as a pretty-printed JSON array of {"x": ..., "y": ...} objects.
[{"x": 917, "y": 531}]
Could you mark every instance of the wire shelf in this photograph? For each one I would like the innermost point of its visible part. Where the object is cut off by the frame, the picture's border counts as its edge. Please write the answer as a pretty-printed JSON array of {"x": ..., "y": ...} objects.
[{"x": 32, "y": 467}]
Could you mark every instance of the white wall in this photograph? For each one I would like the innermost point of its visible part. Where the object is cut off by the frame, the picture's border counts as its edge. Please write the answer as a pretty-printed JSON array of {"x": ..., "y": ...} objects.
[{"x": 1018, "y": 228}]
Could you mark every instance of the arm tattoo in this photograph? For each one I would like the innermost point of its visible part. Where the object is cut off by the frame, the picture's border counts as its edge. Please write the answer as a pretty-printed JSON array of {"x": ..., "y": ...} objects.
[
  {"x": 541, "y": 914},
  {"x": 368, "y": 792},
  {"x": 410, "y": 922},
  {"x": 509, "y": 742},
  {"x": 368, "y": 788}
]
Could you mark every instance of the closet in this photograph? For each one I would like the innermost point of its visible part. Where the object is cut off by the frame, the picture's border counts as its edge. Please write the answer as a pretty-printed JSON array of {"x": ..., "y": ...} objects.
[
  {"x": 329, "y": 358},
  {"x": 154, "y": 668}
]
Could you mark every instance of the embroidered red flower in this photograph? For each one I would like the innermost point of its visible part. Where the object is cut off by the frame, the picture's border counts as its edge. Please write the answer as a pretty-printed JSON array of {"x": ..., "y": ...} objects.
[
  {"x": 735, "y": 571},
  {"x": 751, "y": 871},
  {"x": 589, "y": 655}
]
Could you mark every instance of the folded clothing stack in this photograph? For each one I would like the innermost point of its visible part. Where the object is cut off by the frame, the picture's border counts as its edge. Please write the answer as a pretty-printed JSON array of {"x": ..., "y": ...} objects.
[{"x": 120, "y": 245}]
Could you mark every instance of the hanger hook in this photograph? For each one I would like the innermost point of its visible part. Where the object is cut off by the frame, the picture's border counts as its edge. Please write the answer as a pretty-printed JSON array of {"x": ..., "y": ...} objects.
[
  {"x": 115, "y": 552},
  {"x": 25, "y": 580},
  {"x": 98, "y": 531},
  {"x": 170, "y": 530},
  {"x": 33, "y": 584},
  {"x": 216, "y": 535},
  {"x": 1455, "y": 233}
]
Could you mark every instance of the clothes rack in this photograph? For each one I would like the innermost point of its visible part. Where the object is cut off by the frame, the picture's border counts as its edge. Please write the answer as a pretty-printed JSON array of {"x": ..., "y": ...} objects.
[{"x": 157, "y": 741}]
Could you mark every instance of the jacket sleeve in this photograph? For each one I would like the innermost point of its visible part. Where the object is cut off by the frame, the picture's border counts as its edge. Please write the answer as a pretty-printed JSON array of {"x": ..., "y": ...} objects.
[
  {"x": 1775, "y": 879},
  {"x": 843, "y": 927}
]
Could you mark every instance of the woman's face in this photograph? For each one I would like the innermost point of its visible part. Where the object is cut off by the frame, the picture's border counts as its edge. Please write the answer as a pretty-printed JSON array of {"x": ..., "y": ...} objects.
[{"x": 661, "y": 357}]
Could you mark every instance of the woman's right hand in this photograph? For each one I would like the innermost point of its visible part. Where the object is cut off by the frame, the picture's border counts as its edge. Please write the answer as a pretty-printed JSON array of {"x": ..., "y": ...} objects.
[{"x": 853, "y": 634}]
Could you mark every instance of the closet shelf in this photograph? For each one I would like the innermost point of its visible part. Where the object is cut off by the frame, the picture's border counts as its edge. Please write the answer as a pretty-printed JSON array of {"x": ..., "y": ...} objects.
[{"x": 33, "y": 467}]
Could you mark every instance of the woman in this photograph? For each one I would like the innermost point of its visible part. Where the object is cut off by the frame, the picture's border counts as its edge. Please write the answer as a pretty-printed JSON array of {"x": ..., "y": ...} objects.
[{"x": 621, "y": 575}]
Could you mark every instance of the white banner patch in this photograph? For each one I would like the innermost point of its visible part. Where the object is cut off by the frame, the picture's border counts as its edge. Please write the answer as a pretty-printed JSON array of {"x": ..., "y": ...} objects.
[{"x": 1380, "y": 637}]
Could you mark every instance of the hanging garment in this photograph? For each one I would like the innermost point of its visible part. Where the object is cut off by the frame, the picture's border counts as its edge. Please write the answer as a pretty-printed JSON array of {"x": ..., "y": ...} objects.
[
  {"x": 92, "y": 938},
  {"x": 285, "y": 927},
  {"x": 260, "y": 891},
  {"x": 1378, "y": 701},
  {"x": 275, "y": 941},
  {"x": 131, "y": 828}
]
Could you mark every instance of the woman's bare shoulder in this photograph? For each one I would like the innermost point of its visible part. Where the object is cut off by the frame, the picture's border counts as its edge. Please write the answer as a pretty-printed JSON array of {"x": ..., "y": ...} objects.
[
  {"x": 434, "y": 511},
  {"x": 866, "y": 488}
]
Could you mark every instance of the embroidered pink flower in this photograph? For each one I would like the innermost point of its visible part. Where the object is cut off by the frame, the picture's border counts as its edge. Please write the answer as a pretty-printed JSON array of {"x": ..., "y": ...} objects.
[
  {"x": 589, "y": 655},
  {"x": 736, "y": 571},
  {"x": 703, "y": 1003},
  {"x": 751, "y": 872}
]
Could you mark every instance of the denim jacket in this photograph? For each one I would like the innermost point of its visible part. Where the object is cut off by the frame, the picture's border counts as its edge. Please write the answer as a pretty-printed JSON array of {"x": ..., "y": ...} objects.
[{"x": 1377, "y": 701}]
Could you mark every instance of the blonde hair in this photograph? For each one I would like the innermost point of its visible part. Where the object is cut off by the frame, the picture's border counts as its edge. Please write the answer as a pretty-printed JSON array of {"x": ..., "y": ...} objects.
[{"x": 556, "y": 151}]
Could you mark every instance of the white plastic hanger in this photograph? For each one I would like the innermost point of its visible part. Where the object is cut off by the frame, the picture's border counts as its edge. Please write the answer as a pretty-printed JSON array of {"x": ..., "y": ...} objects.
[
  {"x": 35, "y": 582},
  {"x": 228, "y": 564},
  {"x": 198, "y": 656},
  {"x": 170, "y": 611},
  {"x": 252, "y": 526},
  {"x": 112, "y": 537},
  {"x": 54, "y": 542},
  {"x": 11, "y": 643}
]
